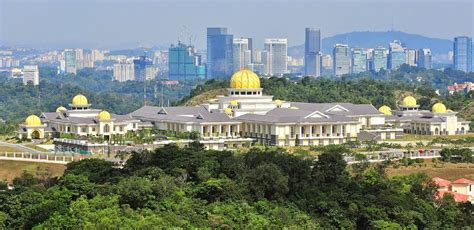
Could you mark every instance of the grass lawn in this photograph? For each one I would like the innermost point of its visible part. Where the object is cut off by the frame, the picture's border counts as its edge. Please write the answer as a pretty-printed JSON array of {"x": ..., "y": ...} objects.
[
  {"x": 449, "y": 171},
  {"x": 11, "y": 169},
  {"x": 412, "y": 137},
  {"x": 35, "y": 147},
  {"x": 8, "y": 149}
]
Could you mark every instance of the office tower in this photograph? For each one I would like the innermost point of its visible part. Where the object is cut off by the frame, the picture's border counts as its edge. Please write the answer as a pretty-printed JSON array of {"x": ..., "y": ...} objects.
[
  {"x": 70, "y": 64},
  {"x": 97, "y": 55},
  {"x": 359, "y": 60},
  {"x": 124, "y": 72},
  {"x": 341, "y": 59},
  {"x": 276, "y": 61},
  {"x": 31, "y": 74},
  {"x": 219, "y": 58},
  {"x": 462, "y": 53},
  {"x": 143, "y": 69},
  {"x": 242, "y": 53},
  {"x": 257, "y": 56},
  {"x": 79, "y": 59},
  {"x": 379, "y": 59},
  {"x": 88, "y": 61},
  {"x": 184, "y": 63},
  {"x": 424, "y": 58},
  {"x": 410, "y": 57},
  {"x": 312, "y": 52},
  {"x": 396, "y": 55}
]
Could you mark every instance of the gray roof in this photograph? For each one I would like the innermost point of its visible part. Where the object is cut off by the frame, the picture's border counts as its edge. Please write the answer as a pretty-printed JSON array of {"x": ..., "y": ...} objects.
[
  {"x": 287, "y": 115},
  {"x": 352, "y": 109},
  {"x": 179, "y": 114},
  {"x": 66, "y": 118}
]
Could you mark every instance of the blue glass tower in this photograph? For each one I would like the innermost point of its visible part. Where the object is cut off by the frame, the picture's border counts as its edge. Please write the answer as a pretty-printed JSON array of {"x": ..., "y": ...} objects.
[
  {"x": 220, "y": 56},
  {"x": 396, "y": 55},
  {"x": 140, "y": 68},
  {"x": 462, "y": 50},
  {"x": 184, "y": 63}
]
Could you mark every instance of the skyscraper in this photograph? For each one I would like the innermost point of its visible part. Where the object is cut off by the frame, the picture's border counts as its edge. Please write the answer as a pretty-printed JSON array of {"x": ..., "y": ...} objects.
[
  {"x": 396, "y": 55},
  {"x": 143, "y": 69},
  {"x": 379, "y": 59},
  {"x": 219, "y": 58},
  {"x": 410, "y": 56},
  {"x": 424, "y": 58},
  {"x": 341, "y": 59},
  {"x": 462, "y": 48},
  {"x": 312, "y": 52},
  {"x": 276, "y": 61},
  {"x": 124, "y": 72},
  {"x": 70, "y": 64},
  {"x": 242, "y": 53},
  {"x": 359, "y": 60},
  {"x": 184, "y": 63},
  {"x": 31, "y": 74}
]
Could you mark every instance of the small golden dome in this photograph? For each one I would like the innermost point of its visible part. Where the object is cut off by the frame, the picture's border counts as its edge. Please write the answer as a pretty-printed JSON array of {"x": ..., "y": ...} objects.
[
  {"x": 439, "y": 108},
  {"x": 385, "y": 110},
  {"x": 60, "y": 109},
  {"x": 228, "y": 110},
  {"x": 278, "y": 102},
  {"x": 245, "y": 79},
  {"x": 104, "y": 115},
  {"x": 33, "y": 120},
  {"x": 234, "y": 103},
  {"x": 409, "y": 101},
  {"x": 79, "y": 100}
]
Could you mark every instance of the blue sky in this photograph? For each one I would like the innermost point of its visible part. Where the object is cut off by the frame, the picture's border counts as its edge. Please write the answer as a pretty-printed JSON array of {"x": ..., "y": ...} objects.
[{"x": 119, "y": 23}]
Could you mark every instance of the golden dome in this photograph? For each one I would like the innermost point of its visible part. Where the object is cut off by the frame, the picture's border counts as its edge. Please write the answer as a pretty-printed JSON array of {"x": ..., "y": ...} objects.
[
  {"x": 409, "y": 101},
  {"x": 278, "y": 102},
  {"x": 104, "y": 115},
  {"x": 228, "y": 110},
  {"x": 33, "y": 120},
  {"x": 60, "y": 109},
  {"x": 234, "y": 103},
  {"x": 79, "y": 100},
  {"x": 385, "y": 110},
  {"x": 245, "y": 79},
  {"x": 439, "y": 108}
]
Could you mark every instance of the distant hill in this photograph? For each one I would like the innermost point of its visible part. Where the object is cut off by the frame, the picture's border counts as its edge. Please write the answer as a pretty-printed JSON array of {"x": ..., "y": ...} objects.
[{"x": 367, "y": 39}]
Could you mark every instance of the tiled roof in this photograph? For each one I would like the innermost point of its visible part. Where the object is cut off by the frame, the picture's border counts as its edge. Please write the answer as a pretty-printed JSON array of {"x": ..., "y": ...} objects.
[
  {"x": 463, "y": 181},
  {"x": 441, "y": 182},
  {"x": 458, "y": 197},
  {"x": 180, "y": 113}
]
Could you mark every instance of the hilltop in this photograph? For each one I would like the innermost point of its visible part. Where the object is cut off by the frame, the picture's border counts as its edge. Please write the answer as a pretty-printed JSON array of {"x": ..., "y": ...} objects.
[{"x": 368, "y": 39}]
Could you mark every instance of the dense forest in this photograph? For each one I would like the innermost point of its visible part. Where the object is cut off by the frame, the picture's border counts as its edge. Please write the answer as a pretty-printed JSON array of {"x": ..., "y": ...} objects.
[{"x": 192, "y": 187}]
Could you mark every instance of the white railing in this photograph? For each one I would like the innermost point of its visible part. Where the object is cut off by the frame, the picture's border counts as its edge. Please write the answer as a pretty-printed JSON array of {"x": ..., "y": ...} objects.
[{"x": 38, "y": 157}]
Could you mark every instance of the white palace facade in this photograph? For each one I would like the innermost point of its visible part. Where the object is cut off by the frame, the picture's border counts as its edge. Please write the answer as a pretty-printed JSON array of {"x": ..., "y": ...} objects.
[{"x": 245, "y": 116}]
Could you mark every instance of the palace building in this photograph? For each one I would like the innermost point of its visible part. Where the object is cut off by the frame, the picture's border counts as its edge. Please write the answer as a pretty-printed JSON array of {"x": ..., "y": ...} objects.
[
  {"x": 245, "y": 116},
  {"x": 79, "y": 120}
]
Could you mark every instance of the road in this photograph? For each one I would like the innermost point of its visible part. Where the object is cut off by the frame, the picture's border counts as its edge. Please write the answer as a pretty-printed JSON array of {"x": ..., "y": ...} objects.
[{"x": 22, "y": 148}]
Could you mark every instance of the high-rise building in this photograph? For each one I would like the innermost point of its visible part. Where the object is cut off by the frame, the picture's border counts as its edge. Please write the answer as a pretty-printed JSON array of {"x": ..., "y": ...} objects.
[
  {"x": 70, "y": 63},
  {"x": 276, "y": 62},
  {"x": 97, "y": 55},
  {"x": 219, "y": 58},
  {"x": 184, "y": 63},
  {"x": 143, "y": 69},
  {"x": 396, "y": 55},
  {"x": 30, "y": 74},
  {"x": 462, "y": 53},
  {"x": 359, "y": 60},
  {"x": 410, "y": 57},
  {"x": 124, "y": 72},
  {"x": 341, "y": 59},
  {"x": 312, "y": 52},
  {"x": 424, "y": 58},
  {"x": 79, "y": 59},
  {"x": 242, "y": 53},
  {"x": 257, "y": 56},
  {"x": 378, "y": 60}
]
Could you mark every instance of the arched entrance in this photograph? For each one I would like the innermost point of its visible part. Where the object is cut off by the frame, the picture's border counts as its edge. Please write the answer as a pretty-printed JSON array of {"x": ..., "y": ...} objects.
[{"x": 36, "y": 134}]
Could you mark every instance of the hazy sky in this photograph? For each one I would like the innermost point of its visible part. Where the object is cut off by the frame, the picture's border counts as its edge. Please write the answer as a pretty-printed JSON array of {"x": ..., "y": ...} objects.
[{"x": 111, "y": 24}]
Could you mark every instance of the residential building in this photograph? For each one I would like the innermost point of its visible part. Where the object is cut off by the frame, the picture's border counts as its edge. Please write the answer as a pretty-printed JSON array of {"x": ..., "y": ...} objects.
[
  {"x": 464, "y": 88},
  {"x": 410, "y": 55},
  {"x": 184, "y": 63},
  {"x": 341, "y": 59},
  {"x": 242, "y": 53},
  {"x": 276, "y": 60},
  {"x": 312, "y": 52},
  {"x": 359, "y": 60},
  {"x": 424, "y": 58},
  {"x": 396, "y": 55},
  {"x": 462, "y": 59},
  {"x": 462, "y": 190},
  {"x": 219, "y": 58},
  {"x": 30, "y": 74},
  {"x": 379, "y": 59},
  {"x": 70, "y": 61},
  {"x": 143, "y": 69},
  {"x": 124, "y": 72}
]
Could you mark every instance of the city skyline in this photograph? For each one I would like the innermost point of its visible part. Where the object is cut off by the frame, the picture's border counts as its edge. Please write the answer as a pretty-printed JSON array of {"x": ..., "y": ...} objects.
[{"x": 91, "y": 24}]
